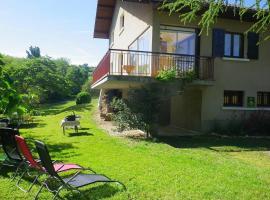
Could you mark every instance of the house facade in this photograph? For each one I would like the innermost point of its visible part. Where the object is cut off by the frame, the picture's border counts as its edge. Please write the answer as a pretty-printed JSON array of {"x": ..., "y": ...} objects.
[{"x": 231, "y": 70}]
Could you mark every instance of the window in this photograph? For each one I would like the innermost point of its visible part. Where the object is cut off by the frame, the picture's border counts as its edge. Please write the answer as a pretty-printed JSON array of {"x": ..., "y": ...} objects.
[
  {"x": 122, "y": 22},
  {"x": 233, "y": 45},
  {"x": 233, "y": 98},
  {"x": 112, "y": 38},
  {"x": 263, "y": 99},
  {"x": 142, "y": 43},
  {"x": 177, "y": 40}
]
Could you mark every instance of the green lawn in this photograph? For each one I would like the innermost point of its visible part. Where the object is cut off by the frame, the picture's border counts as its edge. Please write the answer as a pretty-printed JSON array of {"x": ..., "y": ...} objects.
[{"x": 176, "y": 168}]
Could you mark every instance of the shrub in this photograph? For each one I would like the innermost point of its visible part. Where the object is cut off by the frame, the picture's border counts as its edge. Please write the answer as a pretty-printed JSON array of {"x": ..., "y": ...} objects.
[
  {"x": 123, "y": 116},
  {"x": 166, "y": 75},
  {"x": 139, "y": 111},
  {"x": 253, "y": 124},
  {"x": 83, "y": 97}
]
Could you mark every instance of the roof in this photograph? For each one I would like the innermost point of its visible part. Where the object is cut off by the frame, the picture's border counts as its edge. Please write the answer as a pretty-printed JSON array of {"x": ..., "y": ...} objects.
[
  {"x": 105, "y": 11},
  {"x": 104, "y": 15}
]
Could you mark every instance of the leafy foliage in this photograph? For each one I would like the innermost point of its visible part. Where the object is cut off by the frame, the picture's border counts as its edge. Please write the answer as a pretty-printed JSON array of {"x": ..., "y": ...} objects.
[
  {"x": 124, "y": 117},
  {"x": 166, "y": 75},
  {"x": 39, "y": 76},
  {"x": 27, "y": 83},
  {"x": 211, "y": 9},
  {"x": 45, "y": 79},
  {"x": 130, "y": 114},
  {"x": 256, "y": 123},
  {"x": 10, "y": 100},
  {"x": 83, "y": 97}
]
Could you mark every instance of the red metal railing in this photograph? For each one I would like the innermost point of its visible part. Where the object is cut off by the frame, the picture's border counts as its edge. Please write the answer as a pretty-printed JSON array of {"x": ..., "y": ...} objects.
[
  {"x": 103, "y": 68},
  {"x": 144, "y": 63}
]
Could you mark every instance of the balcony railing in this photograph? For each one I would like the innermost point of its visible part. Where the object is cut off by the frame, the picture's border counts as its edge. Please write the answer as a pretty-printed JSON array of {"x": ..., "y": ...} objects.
[{"x": 148, "y": 64}]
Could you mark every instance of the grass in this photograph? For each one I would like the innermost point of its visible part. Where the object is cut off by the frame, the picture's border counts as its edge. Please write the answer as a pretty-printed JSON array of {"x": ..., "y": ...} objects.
[{"x": 204, "y": 167}]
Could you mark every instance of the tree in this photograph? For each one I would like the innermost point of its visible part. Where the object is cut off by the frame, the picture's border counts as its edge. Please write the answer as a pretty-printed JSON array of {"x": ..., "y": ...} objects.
[
  {"x": 207, "y": 11},
  {"x": 43, "y": 79},
  {"x": 77, "y": 76},
  {"x": 40, "y": 77},
  {"x": 34, "y": 52},
  {"x": 10, "y": 100}
]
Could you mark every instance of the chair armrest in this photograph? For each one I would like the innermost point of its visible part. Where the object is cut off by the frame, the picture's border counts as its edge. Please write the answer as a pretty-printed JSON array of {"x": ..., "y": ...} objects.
[
  {"x": 89, "y": 169},
  {"x": 57, "y": 161}
]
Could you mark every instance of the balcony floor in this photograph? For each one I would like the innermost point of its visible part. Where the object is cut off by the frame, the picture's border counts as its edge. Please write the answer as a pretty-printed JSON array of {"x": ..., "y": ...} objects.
[{"x": 122, "y": 82}]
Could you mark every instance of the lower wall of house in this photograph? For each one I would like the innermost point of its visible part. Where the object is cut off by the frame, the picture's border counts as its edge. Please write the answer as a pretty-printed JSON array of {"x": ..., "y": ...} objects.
[
  {"x": 213, "y": 110},
  {"x": 186, "y": 110}
]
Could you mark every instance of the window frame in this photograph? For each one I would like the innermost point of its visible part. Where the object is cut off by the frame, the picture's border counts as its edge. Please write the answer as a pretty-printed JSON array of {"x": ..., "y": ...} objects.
[
  {"x": 230, "y": 96},
  {"x": 176, "y": 29},
  {"x": 112, "y": 39},
  {"x": 122, "y": 22},
  {"x": 264, "y": 93},
  {"x": 241, "y": 47}
]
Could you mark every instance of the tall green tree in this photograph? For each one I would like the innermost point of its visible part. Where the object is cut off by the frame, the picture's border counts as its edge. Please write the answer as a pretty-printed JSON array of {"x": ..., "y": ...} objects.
[
  {"x": 39, "y": 76},
  {"x": 207, "y": 12},
  {"x": 10, "y": 100},
  {"x": 33, "y": 52}
]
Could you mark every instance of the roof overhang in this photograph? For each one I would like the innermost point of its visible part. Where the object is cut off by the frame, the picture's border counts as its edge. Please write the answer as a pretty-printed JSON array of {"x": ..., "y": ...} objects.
[{"x": 104, "y": 15}]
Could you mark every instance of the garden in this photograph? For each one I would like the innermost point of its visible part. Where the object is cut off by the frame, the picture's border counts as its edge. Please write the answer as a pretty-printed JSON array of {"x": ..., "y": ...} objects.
[{"x": 201, "y": 167}]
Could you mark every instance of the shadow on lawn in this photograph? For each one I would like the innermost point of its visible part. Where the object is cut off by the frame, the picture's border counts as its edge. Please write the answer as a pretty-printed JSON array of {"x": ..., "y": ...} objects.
[
  {"x": 63, "y": 151},
  {"x": 6, "y": 172},
  {"x": 79, "y": 134},
  {"x": 219, "y": 144},
  {"x": 32, "y": 125},
  {"x": 54, "y": 110},
  {"x": 99, "y": 192}
]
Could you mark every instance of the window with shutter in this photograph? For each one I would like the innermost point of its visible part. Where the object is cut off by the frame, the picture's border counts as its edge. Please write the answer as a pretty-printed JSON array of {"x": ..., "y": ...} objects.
[
  {"x": 234, "y": 45},
  {"x": 253, "y": 48},
  {"x": 218, "y": 42}
]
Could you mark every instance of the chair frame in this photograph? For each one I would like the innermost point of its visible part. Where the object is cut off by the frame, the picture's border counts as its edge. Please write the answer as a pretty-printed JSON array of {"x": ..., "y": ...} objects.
[
  {"x": 9, "y": 160},
  {"x": 33, "y": 164},
  {"x": 42, "y": 149}
]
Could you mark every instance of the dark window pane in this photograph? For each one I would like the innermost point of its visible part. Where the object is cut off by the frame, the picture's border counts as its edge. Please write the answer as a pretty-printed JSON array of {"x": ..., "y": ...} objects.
[
  {"x": 233, "y": 45},
  {"x": 227, "y": 46},
  {"x": 263, "y": 99},
  {"x": 236, "y": 46},
  {"x": 177, "y": 40},
  {"x": 185, "y": 43},
  {"x": 168, "y": 40},
  {"x": 233, "y": 98}
]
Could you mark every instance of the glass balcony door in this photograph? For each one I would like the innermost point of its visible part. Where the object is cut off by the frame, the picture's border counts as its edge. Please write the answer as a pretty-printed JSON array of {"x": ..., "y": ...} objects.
[{"x": 180, "y": 41}]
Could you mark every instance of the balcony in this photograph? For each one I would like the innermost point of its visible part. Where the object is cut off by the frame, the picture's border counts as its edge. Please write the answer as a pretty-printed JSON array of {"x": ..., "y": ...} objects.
[{"x": 126, "y": 68}]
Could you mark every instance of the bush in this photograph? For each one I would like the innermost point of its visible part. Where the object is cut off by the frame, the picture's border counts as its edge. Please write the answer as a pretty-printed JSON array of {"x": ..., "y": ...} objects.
[
  {"x": 166, "y": 75},
  {"x": 129, "y": 114},
  {"x": 83, "y": 97},
  {"x": 253, "y": 124},
  {"x": 123, "y": 116}
]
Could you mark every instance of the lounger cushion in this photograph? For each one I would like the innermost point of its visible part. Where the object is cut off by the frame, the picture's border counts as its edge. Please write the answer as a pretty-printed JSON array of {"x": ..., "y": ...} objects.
[
  {"x": 60, "y": 167},
  {"x": 85, "y": 179}
]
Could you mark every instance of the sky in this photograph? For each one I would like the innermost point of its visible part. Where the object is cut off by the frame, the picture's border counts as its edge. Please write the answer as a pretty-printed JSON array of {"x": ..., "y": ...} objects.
[{"x": 61, "y": 28}]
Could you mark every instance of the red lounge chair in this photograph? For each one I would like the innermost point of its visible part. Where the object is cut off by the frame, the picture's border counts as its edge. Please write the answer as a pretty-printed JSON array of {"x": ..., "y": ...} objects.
[{"x": 32, "y": 163}]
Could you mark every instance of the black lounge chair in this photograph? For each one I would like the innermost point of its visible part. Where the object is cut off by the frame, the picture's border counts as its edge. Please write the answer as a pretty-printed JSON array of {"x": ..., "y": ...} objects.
[
  {"x": 9, "y": 145},
  {"x": 73, "y": 182}
]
